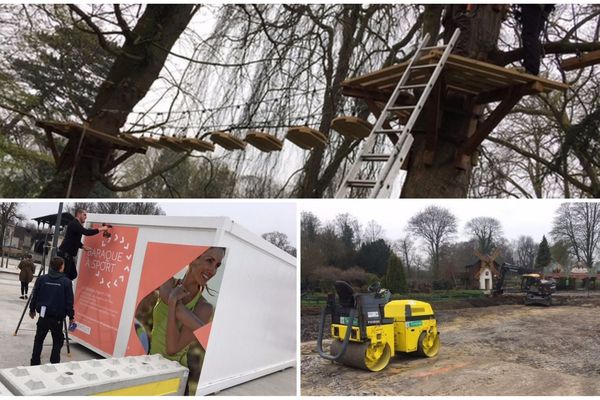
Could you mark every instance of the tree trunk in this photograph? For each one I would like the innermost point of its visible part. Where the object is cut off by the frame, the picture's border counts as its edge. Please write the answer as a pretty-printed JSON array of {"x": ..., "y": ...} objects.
[
  {"x": 310, "y": 185},
  {"x": 134, "y": 71},
  {"x": 480, "y": 31}
]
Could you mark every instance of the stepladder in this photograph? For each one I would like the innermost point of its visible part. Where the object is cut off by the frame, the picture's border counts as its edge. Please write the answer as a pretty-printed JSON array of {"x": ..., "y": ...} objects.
[{"x": 377, "y": 165}]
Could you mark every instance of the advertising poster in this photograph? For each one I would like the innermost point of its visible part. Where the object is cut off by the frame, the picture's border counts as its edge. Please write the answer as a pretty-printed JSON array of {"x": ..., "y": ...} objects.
[
  {"x": 181, "y": 275},
  {"x": 102, "y": 284}
]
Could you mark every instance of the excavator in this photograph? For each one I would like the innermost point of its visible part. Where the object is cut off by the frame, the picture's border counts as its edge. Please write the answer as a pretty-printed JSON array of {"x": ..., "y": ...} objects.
[
  {"x": 368, "y": 329},
  {"x": 537, "y": 290}
]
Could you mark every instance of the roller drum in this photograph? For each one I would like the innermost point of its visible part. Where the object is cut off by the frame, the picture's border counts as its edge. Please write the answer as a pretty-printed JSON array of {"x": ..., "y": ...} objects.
[{"x": 363, "y": 355}]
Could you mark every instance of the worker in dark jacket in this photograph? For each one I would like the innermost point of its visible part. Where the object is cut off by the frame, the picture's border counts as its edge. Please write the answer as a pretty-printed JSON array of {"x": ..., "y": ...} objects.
[
  {"x": 52, "y": 299},
  {"x": 533, "y": 18},
  {"x": 72, "y": 242},
  {"x": 27, "y": 270}
]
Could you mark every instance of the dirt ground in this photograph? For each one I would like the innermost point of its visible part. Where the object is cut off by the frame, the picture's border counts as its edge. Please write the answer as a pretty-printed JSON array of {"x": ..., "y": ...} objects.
[{"x": 508, "y": 349}]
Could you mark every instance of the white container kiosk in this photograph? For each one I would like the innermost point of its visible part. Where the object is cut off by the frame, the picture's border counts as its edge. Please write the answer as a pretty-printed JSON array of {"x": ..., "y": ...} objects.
[{"x": 253, "y": 329}]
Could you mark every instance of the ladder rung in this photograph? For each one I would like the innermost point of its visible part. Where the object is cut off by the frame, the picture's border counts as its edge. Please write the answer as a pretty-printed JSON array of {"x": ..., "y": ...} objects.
[
  {"x": 361, "y": 184},
  {"x": 401, "y": 108},
  {"x": 423, "y": 66},
  {"x": 388, "y": 131},
  {"x": 434, "y": 47},
  {"x": 375, "y": 157},
  {"x": 420, "y": 85}
]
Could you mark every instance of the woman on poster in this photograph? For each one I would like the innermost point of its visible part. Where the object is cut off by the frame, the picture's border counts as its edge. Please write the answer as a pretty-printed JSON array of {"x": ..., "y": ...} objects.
[{"x": 181, "y": 309}]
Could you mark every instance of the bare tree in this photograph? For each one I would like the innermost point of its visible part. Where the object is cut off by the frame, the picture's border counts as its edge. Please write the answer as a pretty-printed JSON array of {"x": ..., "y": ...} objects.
[
  {"x": 280, "y": 240},
  {"x": 487, "y": 231},
  {"x": 372, "y": 232},
  {"x": 436, "y": 226},
  {"x": 348, "y": 229},
  {"x": 405, "y": 246},
  {"x": 137, "y": 65},
  {"x": 9, "y": 213},
  {"x": 526, "y": 251},
  {"x": 578, "y": 225}
]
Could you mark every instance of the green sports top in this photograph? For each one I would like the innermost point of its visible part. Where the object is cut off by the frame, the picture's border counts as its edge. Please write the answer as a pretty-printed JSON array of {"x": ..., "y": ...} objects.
[{"x": 160, "y": 316}]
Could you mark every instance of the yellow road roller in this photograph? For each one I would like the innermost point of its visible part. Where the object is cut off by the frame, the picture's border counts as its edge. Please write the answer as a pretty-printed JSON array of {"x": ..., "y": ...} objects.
[{"x": 368, "y": 329}]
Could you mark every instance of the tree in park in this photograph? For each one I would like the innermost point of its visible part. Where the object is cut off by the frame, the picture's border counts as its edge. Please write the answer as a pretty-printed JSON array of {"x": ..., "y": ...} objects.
[
  {"x": 9, "y": 213},
  {"x": 280, "y": 240},
  {"x": 526, "y": 250},
  {"x": 405, "y": 246},
  {"x": 137, "y": 65},
  {"x": 395, "y": 279},
  {"x": 487, "y": 231},
  {"x": 578, "y": 226},
  {"x": 543, "y": 257},
  {"x": 373, "y": 256},
  {"x": 435, "y": 225}
]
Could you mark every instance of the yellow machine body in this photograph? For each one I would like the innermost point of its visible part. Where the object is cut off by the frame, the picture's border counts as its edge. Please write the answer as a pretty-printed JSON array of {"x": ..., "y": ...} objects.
[{"x": 408, "y": 326}]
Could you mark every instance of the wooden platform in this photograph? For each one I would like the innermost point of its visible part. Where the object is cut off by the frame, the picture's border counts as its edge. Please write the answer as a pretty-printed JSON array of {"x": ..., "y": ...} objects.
[
  {"x": 306, "y": 138},
  {"x": 488, "y": 82},
  {"x": 227, "y": 141},
  {"x": 351, "y": 127},
  {"x": 198, "y": 145},
  {"x": 71, "y": 130},
  {"x": 480, "y": 83},
  {"x": 173, "y": 143},
  {"x": 263, "y": 141},
  {"x": 151, "y": 141}
]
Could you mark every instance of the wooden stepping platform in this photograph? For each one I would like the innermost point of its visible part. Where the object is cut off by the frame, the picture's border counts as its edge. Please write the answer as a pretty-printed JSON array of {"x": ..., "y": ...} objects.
[
  {"x": 172, "y": 143},
  {"x": 306, "y": 138},
  {"x": 72, "y": 130},
  {"x": 133, "y": 140},
  {"x": 263, "y": 141},
  {"x": 150, "y": 141},
  {"x": 198, "y": 145},
  {"x": 488, "y": 82},
  {"x": 227, "y": 141},
  {"x": 352, "y": 127}
]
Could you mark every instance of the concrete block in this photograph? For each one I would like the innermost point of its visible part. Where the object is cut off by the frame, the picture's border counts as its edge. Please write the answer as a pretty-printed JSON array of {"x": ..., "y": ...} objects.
[
  {"x": 142, "y": 375},
  {"x": 4, "y": 391}
]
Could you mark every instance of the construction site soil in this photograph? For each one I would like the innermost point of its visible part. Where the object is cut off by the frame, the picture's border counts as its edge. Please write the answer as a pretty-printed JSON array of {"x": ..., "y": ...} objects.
[{"x": 490, "y": 346}]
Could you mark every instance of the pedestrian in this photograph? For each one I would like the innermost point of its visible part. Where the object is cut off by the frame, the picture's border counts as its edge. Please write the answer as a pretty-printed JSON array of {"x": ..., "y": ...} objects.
[
  {"x": 533, "y": 18},
  {"x": 52, "y": 299},
  {"x": 72, "y": 242},
  {"x": 27, "y": 270}
]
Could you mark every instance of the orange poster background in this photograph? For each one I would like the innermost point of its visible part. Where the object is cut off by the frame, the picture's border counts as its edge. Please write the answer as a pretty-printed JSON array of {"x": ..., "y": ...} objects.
[
  {"x": 101, "y": 286},
  {"x": 161, "y": 262}
]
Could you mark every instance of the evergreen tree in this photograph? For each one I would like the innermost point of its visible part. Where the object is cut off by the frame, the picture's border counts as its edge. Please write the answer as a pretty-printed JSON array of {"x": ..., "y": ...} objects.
[
  {"x": 543, "y": 258},
  {"x": 394, "y": 279},
  {"x": 373, "y": 257}
]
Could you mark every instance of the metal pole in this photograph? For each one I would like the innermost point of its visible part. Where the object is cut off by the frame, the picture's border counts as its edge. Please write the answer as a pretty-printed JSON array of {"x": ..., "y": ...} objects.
[
  {"x": 57, "y": 229},
  {"x": 67, "y": 337}
]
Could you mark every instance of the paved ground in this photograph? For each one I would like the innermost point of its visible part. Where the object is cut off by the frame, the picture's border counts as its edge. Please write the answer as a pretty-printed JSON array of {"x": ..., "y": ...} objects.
[{"x": 16, "y": 350}]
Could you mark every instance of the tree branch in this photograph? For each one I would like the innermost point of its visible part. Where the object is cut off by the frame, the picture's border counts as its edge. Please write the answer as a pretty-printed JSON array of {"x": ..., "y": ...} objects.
[
  {"x": 546, "y": 163},
  {"x": 561, "y": 47},
  {"x": 110, "y": 186}
]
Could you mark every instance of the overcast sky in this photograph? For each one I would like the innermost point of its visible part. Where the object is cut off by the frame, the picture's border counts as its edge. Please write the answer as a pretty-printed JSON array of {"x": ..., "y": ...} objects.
[
  {"x": 257, "y": 216},
  {"x": 518, "y": 217}
]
